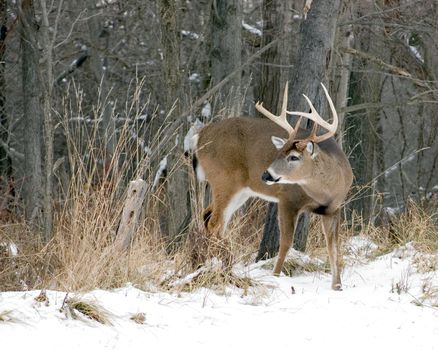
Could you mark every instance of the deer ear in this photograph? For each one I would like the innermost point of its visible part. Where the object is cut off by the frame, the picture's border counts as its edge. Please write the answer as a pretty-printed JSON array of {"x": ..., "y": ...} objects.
[
  {"x": 278, "y": 142},
  {"x": 312, "y": 148}
]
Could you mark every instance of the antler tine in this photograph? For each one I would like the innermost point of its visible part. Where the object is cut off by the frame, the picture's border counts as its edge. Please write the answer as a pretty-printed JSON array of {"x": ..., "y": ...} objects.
[
  {"x": 281, "y": 119},
  {"x": 317, "y": 119}
]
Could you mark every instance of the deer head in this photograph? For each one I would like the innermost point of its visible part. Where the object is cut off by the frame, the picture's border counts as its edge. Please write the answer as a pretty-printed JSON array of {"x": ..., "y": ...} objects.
[{"x": 297, "y": 158}]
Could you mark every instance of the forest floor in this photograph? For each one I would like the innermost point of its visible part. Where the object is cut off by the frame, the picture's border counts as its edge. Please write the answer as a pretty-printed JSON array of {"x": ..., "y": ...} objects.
[{"x": 388, "y": 301}]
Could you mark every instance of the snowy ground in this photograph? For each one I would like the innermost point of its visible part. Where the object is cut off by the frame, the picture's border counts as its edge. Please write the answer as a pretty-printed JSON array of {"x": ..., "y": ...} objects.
[{"x": 367, "y": 314}]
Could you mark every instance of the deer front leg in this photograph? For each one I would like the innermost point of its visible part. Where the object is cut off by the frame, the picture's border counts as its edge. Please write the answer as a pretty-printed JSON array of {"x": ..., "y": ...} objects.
[
  {"x": 330, "y": 226},
  {"x": 287, "y": 222}
]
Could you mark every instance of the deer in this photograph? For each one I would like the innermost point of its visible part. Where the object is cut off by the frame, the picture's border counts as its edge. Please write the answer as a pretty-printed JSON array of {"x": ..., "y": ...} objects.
[{"x": 300, "y": 170}]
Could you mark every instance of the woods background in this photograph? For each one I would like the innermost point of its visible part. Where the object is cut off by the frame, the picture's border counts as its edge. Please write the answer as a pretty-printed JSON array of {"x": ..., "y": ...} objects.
[{"x": 94, "y": 94}]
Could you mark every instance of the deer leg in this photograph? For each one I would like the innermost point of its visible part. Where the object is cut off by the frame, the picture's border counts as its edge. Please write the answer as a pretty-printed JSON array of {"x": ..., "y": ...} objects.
[
  {"x": 287, "y": 222},
  {"x": 206, "y": 215},
  {"x": 330, "y": 226},
  {"x": 225, "y": 203}
]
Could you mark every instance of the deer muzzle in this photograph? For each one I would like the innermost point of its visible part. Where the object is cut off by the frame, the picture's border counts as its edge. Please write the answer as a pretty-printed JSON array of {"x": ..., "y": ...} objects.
[{"x": 268, "y": 178}]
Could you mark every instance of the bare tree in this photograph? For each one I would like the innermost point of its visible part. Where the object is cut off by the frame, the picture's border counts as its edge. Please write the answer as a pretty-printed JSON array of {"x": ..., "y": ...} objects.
[
  {"x": 33, "y": 181},
  {"x": 178, "y": 206},
  {"x": 46, "y": 82},
  {"x": 225, "y": 49},
  {"x": 4, "y": 166},
  {"x": 268, "y": 90}
]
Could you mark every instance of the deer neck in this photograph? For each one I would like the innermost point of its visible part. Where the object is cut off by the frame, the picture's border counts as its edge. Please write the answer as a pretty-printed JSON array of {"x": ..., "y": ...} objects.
[{"x": 322, "y": 183}]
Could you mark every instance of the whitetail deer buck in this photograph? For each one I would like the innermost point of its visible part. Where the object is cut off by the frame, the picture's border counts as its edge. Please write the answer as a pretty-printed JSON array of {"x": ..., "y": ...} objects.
[{"x": 303, "y": 172}]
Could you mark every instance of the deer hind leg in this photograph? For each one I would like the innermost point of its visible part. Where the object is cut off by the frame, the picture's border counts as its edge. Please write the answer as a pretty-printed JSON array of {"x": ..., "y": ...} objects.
[
  {"x": 206, "y": 215},
  {"x": 225, "y": 202},
  {"x": 287, "y": 222},
  {"x": 330, "y": 226}
]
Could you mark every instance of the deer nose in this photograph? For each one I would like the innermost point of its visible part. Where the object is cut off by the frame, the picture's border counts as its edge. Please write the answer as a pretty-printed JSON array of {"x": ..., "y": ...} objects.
[{"x": 267, "y": 177}]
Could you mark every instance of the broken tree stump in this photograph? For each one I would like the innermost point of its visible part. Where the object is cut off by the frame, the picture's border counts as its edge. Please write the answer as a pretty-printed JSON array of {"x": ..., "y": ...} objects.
[{"x": 131, "y": 213}]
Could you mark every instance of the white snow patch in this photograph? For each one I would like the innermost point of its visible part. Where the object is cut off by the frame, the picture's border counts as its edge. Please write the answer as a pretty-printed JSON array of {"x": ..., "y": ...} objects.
[
  {"x": 190, "y": 35},
  {"x": 142, "y": 117},
  {"x": 10, "y": 247},
  {"x": 368, "y": 314},
  {"x": 102, "y": 3},
  {"x": 251, "y": 29},
  {"x": 195, "y": 77},
  {"x": 359, "y": 249},
  {"x": 13, "y": 249},
  {"x": 161, "y": 168},
  {"x": 206, "y": 110},
  {"x": 189, "y": 140},
  {"x": 416, "y": 53}
]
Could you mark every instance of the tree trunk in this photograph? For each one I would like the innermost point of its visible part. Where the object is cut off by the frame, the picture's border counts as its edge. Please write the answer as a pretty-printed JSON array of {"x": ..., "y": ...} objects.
[
  {"x": 225, "y": 50},
  {"x": 311, "y": 67},
  {"x": 177, "y": 200},
  {"x": 5, "y": 160},
  {"x": 99, "y": 69},
  {"x": 362, "y": 139},
  {"x": 46, "y": 80},
  {"x": 32, "y": 187},
  {"x": 268, "y": 91}
]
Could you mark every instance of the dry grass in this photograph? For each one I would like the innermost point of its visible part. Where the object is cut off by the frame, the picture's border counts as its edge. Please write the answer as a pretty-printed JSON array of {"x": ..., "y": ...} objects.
[
  {"x": 82, "y": 255},
  {"x": 416, "y": 224},
  {"x": 91, "y": 310},
  {"x": 7, "y": 316},
  {"x": 139, "y": 318}
]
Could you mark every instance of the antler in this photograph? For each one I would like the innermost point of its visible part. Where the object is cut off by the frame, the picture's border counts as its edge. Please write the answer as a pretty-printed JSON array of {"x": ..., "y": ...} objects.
[
  {"x": 313, "y": 115},
  {"x": 281, "y": 119}
]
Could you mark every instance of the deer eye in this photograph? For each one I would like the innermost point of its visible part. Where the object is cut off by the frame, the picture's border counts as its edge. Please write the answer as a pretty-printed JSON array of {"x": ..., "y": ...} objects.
[{"x": 292, "y": 158}]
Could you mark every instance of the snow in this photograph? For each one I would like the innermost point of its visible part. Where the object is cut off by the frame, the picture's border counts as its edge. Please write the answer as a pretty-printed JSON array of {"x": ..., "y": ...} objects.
[
  {"x": 251, "y": 29},
  {"x": 10, "y": 247},
  {"x": 190, "y": 34},
  {"x": 161, "y": 168},
  {"x": 367, "y": 314},
  {"x": 195, "y": 77},
  {"x": 416, "y": 53},
  {"x": 206, "y": 110},
  {"x": 189, "y": 142}
]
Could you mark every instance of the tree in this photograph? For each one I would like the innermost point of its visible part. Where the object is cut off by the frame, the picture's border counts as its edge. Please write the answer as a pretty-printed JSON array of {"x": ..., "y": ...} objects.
[
  {"x": 33, "y": 179},
  {"x": 311, "y": 67},
  {"x": 178, "y": 206},
  {"x": 225, "y": 50},
  {"x": 268, "y": 91},
  {"x": 4, "y": 157}
]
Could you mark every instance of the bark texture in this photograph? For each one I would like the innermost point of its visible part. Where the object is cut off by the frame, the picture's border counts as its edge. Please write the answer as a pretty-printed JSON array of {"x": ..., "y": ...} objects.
[
  {"x": 225, "y": 50},
  {"x": 33, "y": 181}
]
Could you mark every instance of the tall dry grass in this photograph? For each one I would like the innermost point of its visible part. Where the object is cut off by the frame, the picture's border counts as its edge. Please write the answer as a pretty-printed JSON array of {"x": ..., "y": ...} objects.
[{"x": 81, "y": 255}]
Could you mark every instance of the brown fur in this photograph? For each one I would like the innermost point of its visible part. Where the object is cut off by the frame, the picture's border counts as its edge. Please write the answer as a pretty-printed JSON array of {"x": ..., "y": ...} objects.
[{"x": 235, "y": 152}]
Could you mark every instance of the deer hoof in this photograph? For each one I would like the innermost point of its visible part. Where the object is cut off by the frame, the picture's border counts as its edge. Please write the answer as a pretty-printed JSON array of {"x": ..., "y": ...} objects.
[{"x": 337, "y": 287}]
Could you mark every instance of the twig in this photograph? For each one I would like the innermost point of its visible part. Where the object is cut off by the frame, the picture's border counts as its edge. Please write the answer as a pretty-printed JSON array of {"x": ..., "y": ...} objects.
[
  {"x": 11, "y": 152},
  {"x": 379, "y": 62}
]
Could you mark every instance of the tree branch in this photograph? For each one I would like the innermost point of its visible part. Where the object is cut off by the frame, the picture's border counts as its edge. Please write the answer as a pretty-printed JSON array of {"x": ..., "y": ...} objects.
[{"x": 377, "y": 61}]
